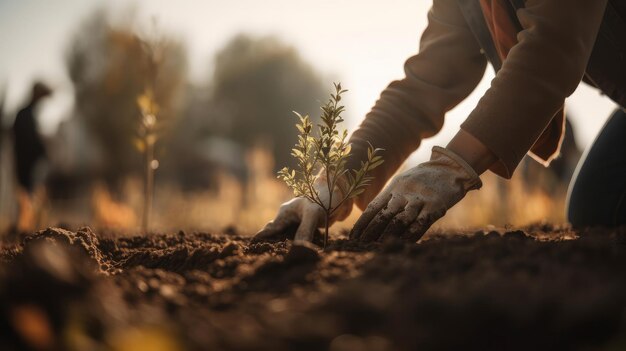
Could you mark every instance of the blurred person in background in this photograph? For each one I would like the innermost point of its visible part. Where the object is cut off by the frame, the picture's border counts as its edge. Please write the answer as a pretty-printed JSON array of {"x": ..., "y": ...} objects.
[
  {"x": 29, "y": 151},
  {"x": 541, "y": 50}
]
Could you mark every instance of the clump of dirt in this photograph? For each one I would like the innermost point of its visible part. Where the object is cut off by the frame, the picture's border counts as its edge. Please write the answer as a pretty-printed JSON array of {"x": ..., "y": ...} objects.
[
  {"x": 543, "y": 287},
  {"x": 54, "y": 291},
  {"x": 83, "y": 239}
]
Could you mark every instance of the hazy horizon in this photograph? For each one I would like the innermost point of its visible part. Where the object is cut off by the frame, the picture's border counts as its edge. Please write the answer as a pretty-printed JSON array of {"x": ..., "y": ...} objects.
[{"x": 363, "y": 45}]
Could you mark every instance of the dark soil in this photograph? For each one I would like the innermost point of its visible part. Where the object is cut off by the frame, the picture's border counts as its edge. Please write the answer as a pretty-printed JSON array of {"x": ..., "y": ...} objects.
[{"x": 540, "y": 288}]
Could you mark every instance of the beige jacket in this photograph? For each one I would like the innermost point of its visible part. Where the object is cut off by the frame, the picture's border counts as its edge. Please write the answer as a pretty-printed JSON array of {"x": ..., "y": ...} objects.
[{"x": 543, "y": 69}]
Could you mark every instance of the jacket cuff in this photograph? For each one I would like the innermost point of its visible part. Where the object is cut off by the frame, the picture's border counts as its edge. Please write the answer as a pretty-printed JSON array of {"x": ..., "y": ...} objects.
[
  {"x": 472, "y": 180},
  {"x": 507, "y": 158}
]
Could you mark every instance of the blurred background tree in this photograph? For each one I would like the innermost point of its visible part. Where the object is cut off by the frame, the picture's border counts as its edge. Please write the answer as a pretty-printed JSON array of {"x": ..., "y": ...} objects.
[
  {"x": 257, "y": 82},
  {"x": 109, "y": 65}
]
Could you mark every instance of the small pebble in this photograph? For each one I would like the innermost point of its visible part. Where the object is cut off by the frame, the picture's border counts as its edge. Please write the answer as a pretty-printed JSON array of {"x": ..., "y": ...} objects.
[
  {"x": 302, "y": 252},
  {"x": 142, "y": 286},
  {"x": 229, "y": 250}
]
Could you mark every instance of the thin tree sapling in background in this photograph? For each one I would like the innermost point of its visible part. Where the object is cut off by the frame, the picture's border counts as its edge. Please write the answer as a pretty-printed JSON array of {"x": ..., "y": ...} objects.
[
  {"x": 148, "y": 128},
  {"x": 324, "y": 157},
  {"x": 147, "y": 137}
]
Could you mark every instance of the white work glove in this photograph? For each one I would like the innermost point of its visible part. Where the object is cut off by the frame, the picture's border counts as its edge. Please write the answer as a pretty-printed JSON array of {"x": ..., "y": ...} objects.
[
  {"x": 416, "y": 198},
  {"x": 306, "y": 214}
]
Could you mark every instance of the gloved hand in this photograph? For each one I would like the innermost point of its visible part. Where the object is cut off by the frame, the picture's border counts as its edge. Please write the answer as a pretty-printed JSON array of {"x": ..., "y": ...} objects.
[
  {"x": 306, "y": 214},
  {"x": 416, "y": 198}
]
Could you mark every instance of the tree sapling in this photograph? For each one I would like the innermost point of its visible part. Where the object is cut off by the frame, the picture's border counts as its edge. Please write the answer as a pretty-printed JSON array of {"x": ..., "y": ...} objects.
[
  {"x": 324, "y": 157},
  {"x": 147, "y": 137}
]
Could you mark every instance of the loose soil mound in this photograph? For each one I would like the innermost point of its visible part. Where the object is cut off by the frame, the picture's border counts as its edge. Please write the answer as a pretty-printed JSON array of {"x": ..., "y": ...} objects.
[{"x": 541, "y": 288}]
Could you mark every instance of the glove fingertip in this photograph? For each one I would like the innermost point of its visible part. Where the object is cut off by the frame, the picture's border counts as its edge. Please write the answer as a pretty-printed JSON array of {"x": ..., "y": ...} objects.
[
  {"x": 262, "y": 234},
  {"x": 353, "y": 234},
  {"x": 357, "y": 229}
]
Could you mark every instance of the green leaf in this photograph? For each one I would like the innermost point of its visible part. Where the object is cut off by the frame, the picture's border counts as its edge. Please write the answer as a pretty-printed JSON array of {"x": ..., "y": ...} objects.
[
  {"x": 298, "y": 114},
  {"x": 297, "y": 153},
  {"x": 357, "y": 192},
  {"x": 376, "y": 164}
]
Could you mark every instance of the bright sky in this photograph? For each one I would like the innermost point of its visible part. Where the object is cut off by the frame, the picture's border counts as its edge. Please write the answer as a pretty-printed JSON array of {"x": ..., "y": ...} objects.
[{"x": 363, "y": 44}]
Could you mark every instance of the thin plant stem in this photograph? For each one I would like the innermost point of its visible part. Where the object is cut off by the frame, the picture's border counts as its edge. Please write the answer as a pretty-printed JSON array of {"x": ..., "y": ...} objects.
[
  {"x": 148, "y": 188},
  {"x": 328, "y": 209},
  {"x": 326, "y": 221}
]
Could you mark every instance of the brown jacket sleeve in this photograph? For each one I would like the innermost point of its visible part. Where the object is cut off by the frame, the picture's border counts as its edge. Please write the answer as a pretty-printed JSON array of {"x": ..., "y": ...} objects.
[
  {"x": 447, "y": 68},
  {"x": 540, "y": 71}
]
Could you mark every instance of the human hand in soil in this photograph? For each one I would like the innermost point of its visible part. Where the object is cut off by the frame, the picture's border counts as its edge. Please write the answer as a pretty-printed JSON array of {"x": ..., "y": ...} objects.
[
  {"x": 305, "y": 214},
  {"x": 416, "y": 198}
]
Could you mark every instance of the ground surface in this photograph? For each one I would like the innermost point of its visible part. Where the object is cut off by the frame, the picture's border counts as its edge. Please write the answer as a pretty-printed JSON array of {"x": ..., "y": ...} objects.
[{"x": 540, "y": 288}]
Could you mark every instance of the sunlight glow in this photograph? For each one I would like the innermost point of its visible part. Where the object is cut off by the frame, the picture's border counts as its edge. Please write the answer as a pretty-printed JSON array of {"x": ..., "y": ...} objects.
[{"x": 361, "y": 44}]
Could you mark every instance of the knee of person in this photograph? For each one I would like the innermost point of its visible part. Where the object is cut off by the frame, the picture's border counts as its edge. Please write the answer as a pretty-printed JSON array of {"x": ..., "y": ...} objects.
[
  {"x": 597, "y": 193},
  {"x": 582, "y": 208},
  {"x": 586, "y": 209},
  {"x": 575, "y": 210}
]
